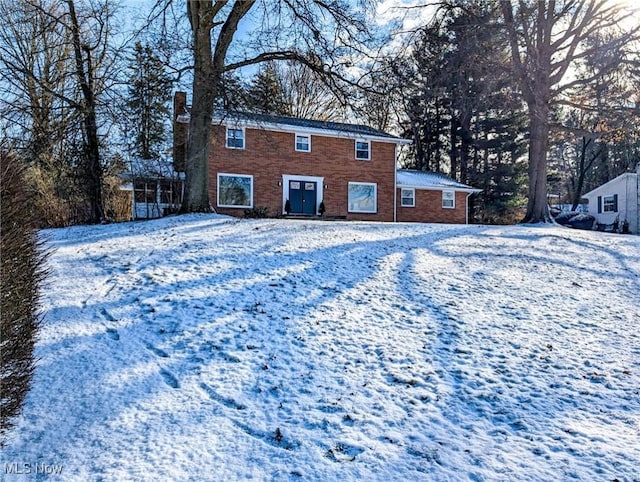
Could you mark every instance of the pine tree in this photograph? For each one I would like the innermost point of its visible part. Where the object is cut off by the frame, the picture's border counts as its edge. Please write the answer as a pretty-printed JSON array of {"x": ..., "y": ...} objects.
[
  {"x": 464, "y": 116},
  {"x": 147, "y": 106},
  {"x": 266, "y": 93}
]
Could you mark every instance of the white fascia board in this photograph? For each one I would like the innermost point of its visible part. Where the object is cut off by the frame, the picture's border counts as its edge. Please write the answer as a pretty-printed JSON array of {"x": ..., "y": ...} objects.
[
  {"x": 470, "y": 190},
  {"x": 276, "y": 127},
  {"x": 607, "y": 187},
  {"x": 272, "y": 126}
]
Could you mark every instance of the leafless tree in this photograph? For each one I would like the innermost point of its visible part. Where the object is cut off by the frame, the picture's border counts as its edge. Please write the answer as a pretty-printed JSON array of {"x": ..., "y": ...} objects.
[
  {"x": 56, "y": 63},
  {"x": 322, "y": 35},
  {"x": 548, "y": 39},
  {"x": 307, "y": 95}
]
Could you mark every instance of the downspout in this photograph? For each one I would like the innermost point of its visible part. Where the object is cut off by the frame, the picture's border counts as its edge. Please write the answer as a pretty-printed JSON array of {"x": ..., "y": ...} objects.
[
  {"x": 466, "y": 208},
  {"x": 395, "y": 184}
]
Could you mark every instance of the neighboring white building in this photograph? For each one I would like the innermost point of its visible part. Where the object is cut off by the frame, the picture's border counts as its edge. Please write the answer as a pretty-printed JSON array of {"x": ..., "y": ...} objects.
[{"x": 617, "y": 200}]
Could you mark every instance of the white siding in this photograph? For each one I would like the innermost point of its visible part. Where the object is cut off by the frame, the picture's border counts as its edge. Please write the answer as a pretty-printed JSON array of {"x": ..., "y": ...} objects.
[{"x": 627, "y": 189}]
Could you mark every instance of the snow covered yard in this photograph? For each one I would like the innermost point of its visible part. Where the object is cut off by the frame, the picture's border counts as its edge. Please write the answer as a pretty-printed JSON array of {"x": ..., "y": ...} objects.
[{"x": 206, "y": 348}]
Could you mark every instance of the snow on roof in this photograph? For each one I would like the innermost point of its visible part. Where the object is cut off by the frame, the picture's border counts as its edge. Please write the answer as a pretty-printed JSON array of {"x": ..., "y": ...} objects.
[
  {"x": 430, "y": 180},
  {"x": 294, "y": 124}
]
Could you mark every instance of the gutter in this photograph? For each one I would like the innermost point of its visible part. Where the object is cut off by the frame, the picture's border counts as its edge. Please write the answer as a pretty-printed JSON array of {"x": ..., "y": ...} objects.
[
  {"x": 466, "y": 204},
  {"x": 277, "y": 127}
]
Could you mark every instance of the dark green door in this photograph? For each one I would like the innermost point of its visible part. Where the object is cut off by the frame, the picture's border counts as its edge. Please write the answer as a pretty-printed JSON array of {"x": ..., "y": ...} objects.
[{"x": 302, "y": 197}]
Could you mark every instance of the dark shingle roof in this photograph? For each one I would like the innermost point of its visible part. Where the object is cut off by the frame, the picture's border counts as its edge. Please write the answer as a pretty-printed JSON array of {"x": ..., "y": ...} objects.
[{"x": 304, "y": 123}]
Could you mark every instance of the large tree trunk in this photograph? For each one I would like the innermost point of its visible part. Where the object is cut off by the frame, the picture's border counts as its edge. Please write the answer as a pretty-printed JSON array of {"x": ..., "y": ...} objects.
[
  {"x": 537, "y": 211},
  {"x": 209, "y": 65},
  {"x": 196, "y": 198},
  {"x": 93, "y": 166}
]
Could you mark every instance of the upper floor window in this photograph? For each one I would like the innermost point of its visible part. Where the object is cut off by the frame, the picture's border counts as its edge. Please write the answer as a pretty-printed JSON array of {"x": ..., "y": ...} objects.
[
  {"x": 303, "y": 143},
  {"x": 363, "y": 150},
  {"x": 448, "y": 199},
  {"x": 235, "y": 138}
]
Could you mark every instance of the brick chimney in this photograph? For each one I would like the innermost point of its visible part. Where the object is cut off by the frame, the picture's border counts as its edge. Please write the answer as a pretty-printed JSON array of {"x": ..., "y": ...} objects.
[{"x": 179, "y": 132}]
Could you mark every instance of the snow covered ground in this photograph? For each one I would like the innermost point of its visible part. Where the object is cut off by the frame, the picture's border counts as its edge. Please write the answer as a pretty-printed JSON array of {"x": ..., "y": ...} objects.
[{"x": 207, "y": 348}]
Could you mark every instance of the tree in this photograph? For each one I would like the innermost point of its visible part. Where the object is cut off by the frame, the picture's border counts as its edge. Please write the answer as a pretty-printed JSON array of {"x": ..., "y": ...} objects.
[
  {"x": 84, "y": 51},
  {"x": 463, "y": 114},
  {"x": 547, "y": 39},
  {"x": 600, "y": 116},
  {"x": 307, "y": 95},
  {"x": 292, "y": 89},
  {"x": 266, "y": 92},
  {"x": 147, "y": 106},
  {"x": 214, "y": 25},
  {"x": 57, "y": 55}
]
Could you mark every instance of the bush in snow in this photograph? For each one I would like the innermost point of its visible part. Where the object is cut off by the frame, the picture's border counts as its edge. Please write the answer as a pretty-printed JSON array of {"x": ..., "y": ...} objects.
[
  {"x": 22, "y": 271},
  {"x": 257, "y": 213},
  {"x": 575, "y": 219}
]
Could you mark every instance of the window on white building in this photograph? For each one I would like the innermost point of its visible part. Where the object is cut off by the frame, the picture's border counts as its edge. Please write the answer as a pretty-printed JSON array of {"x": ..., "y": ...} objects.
[{"x": 610, "y": 204}]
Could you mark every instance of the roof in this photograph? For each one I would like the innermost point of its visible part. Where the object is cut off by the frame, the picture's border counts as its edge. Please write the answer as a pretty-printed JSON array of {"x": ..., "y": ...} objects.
[
  {"x": 608, "y": 186},
  {"x": 430, "y": 180},
  {"x": 294, "y": 124}
]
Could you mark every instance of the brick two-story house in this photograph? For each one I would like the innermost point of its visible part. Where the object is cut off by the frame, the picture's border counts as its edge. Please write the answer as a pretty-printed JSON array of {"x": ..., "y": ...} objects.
[{"x": 296, "y": 166}]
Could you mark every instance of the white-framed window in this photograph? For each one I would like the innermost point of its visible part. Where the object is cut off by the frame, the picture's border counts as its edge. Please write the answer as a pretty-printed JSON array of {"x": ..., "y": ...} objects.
[
  {"x": 609, "y": 204},
  {"x": 303, "y": 143},
  {"x": 408, "y": 197},
  {"x": 363, "y": 150},
  {"x": 235, "y": 190},
  {"x": 235, "y": 138},
  {"x": 363, "y": 197},
  {"x": 449, "y": 199}
]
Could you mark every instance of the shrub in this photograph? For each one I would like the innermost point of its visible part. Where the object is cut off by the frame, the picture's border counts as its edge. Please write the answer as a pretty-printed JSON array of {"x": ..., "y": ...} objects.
[
  {"x": 261, "y": 212},
  {"x": 22, "y": 271}
]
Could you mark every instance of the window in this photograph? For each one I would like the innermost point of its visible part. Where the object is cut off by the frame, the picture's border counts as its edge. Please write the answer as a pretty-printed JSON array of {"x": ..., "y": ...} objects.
[
  {"x": 408, "y": 197},
  {"x": 235, "y": 138},
  {"x": 363, "y": 197},
  {"x": 610, "y": 204},
  {"x": 303, "y": 143},
  {"x": 363, "y": 150},
  {"x": 448, "y": 199},
  {"x": 235, "y": 191}
]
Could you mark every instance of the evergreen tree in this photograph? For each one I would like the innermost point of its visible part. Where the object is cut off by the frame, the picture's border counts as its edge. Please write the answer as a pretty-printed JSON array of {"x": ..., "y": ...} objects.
[
  {"x": 148, "y": 102},
  {"x": 266, "y": 93},
  {"x": 463, "y": 114}
]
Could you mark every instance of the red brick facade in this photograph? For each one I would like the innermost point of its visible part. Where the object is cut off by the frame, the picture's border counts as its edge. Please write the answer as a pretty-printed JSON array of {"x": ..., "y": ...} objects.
[
  {"x": 268, "y": 155},
  {"x": 428, "y": 208},
  {"x": 271, "y": 165}
]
